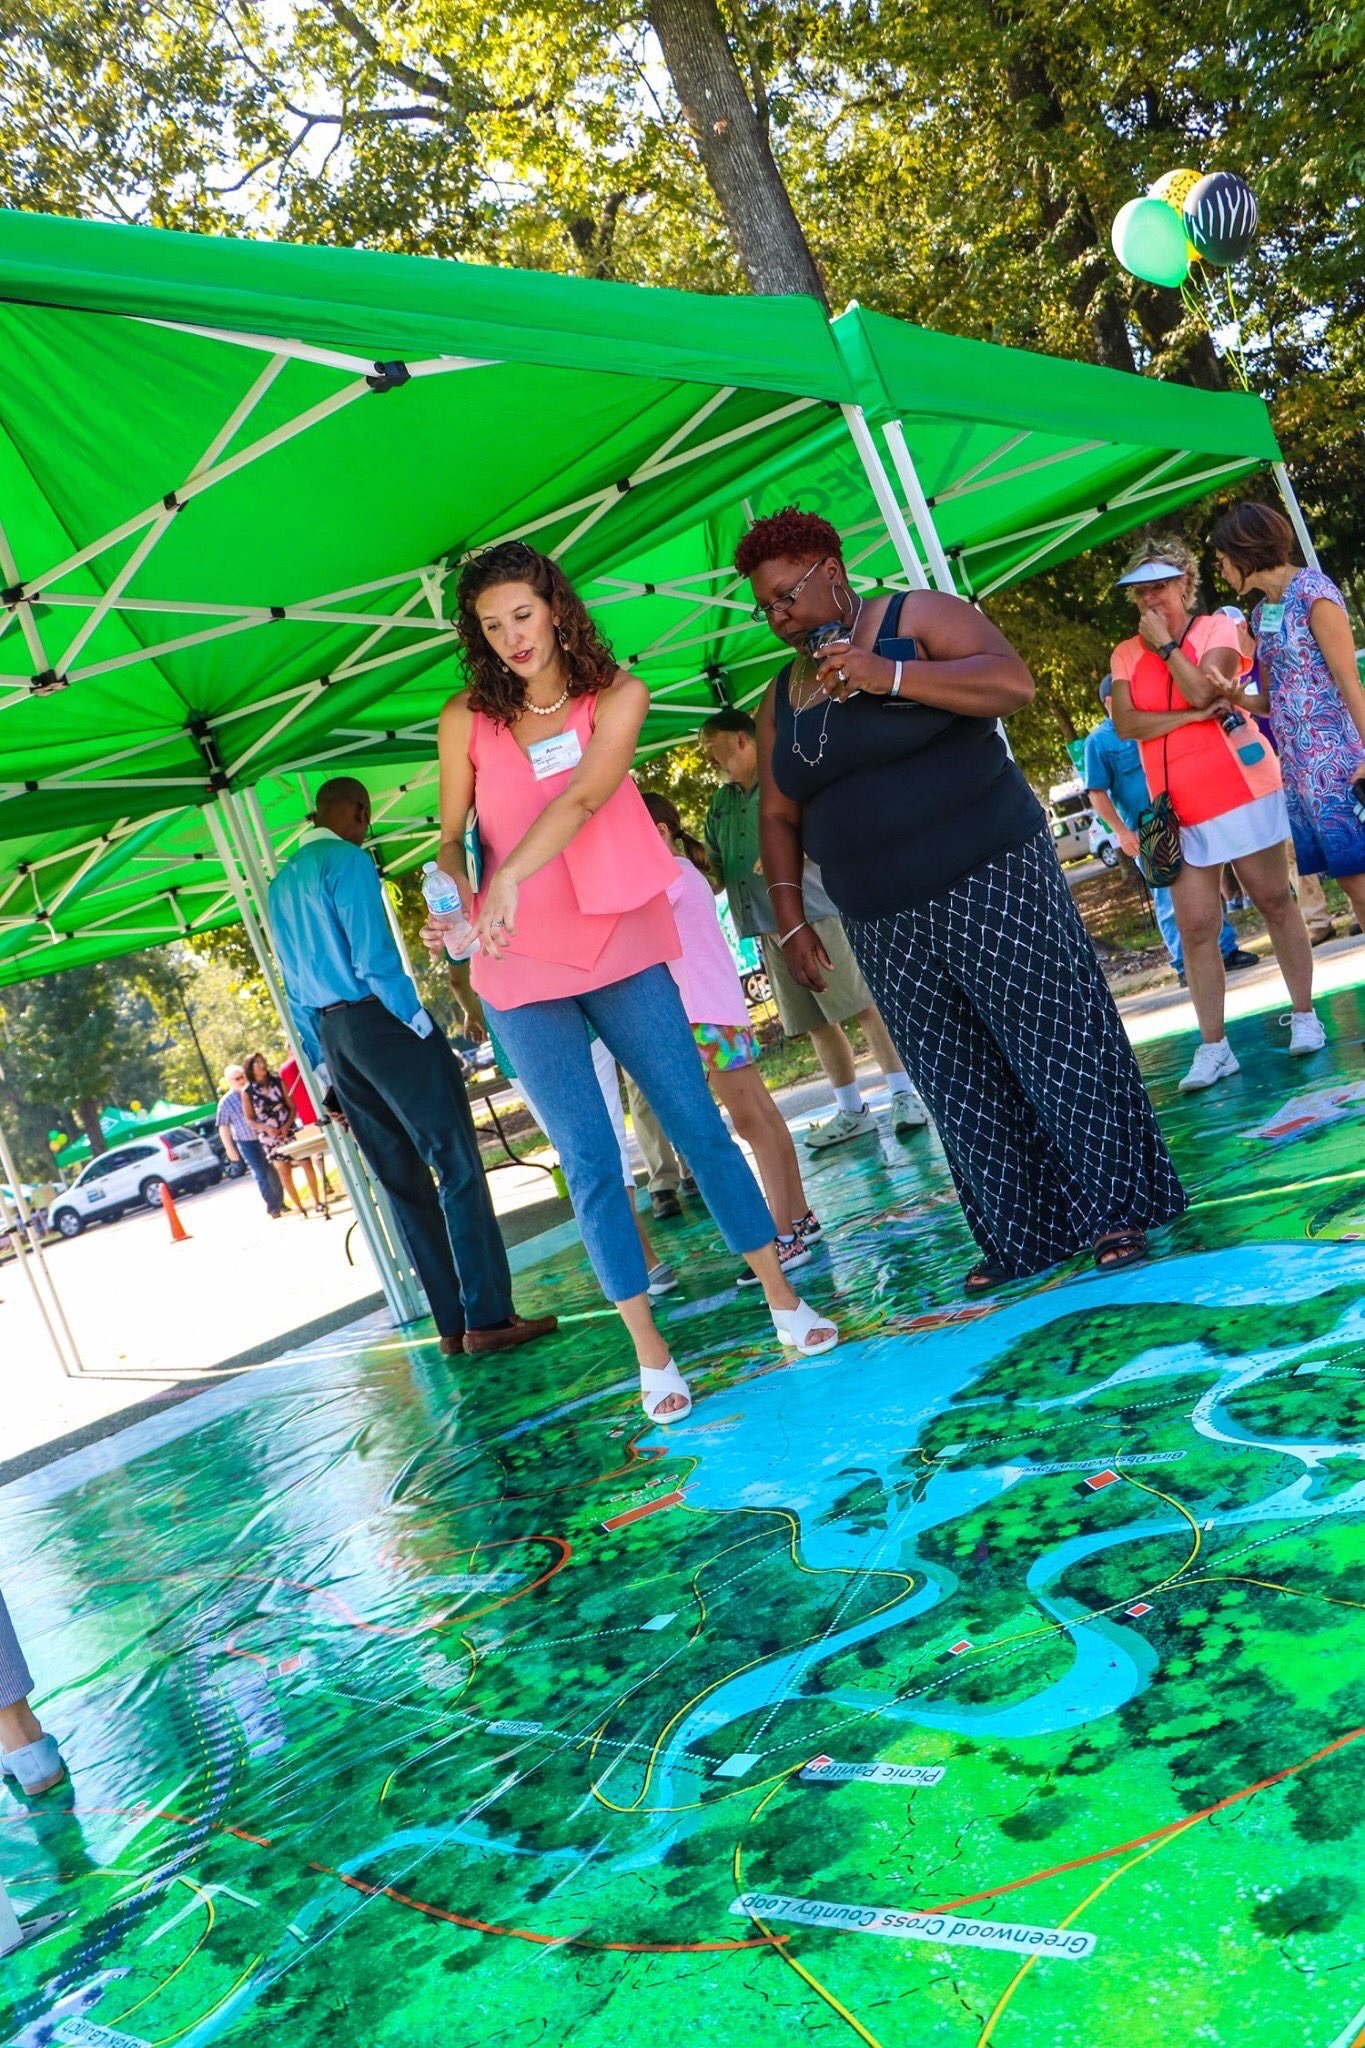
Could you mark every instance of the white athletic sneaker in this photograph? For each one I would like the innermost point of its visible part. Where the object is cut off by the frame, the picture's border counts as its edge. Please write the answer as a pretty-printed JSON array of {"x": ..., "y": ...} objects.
[
  {"x": 907, "y": 1112},
  {"x": 843, "y": 1125},
  {"x": 1305, "y": 1032},
  {"x": 1211, "y": 1063},
  {"x": 662, "y": 1280}
]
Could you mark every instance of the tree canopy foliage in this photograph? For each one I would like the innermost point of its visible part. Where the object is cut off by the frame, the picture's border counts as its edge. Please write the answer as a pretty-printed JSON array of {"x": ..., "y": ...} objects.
[{"x": 962, "y": 176}]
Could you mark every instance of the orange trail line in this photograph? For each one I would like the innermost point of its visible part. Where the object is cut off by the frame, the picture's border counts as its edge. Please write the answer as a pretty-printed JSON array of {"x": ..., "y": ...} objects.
[
  {"x": 1155, "y": 1834},
  {"x": 633, "y": 1948}
]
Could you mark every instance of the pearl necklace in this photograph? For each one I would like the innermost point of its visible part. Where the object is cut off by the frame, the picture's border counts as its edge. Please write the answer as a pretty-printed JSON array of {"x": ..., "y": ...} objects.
[{"x": 548, "y": 710}]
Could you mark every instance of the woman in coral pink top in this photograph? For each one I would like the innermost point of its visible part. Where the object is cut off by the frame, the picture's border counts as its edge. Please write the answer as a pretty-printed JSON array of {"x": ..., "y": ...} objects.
[
  {"x": 1177, "y": 691},
  {"x": 713, "y": 997},
  {"x": 575, "y": 928}
]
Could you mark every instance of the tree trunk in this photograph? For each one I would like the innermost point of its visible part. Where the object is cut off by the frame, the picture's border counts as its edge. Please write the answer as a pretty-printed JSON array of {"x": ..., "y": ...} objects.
[
  {"x": 89, "y": 1109},
  {"x": 732, "y": 140}
]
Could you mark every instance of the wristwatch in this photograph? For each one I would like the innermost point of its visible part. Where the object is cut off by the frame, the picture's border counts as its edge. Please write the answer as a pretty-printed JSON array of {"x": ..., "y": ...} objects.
[{"x": 1168, "y": 650}]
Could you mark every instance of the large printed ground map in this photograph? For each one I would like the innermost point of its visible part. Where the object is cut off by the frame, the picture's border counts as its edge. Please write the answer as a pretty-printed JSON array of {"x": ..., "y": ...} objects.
[{"x": 998, "y": 1678}]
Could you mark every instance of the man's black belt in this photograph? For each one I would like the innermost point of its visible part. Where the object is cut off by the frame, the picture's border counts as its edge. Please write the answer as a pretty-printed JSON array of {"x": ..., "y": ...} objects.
[{"x": 356, "y": 1003}]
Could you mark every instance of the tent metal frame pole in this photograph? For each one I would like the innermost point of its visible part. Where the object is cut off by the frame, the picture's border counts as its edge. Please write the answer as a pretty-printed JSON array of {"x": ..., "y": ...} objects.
[
  {"x": 887, "y": 503},
  {"x": 221, "y": 820},
  {"x": 28, "y": 1247},
  {"x": 388, "y": 1234},
  {"x": 1295, "y": 511},
  {"x": 903, "y": 463}
]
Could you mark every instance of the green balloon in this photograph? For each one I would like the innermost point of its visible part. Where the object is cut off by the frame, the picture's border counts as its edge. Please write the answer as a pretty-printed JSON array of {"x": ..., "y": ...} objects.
[{"x": 1149, "y": 239}]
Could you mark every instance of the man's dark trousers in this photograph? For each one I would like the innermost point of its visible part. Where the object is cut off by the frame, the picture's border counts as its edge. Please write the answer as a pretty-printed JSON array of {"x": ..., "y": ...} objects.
[
  {"x": 264, "y": 1172},
  {"x": 404, "y": 1098}
]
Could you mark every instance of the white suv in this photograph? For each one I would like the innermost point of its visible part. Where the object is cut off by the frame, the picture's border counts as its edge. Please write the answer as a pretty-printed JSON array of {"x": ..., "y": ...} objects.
[{"x": 131, "y": 1176}]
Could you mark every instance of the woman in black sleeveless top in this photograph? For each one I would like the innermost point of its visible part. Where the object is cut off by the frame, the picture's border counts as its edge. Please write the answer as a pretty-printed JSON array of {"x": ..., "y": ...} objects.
[{"x": 883, "y": 759}]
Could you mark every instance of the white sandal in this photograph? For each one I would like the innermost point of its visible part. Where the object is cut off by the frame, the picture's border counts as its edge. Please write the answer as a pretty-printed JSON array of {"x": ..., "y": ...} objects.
[
  {"x": 798, "y": 1327},
  {"x": 663, "y": 1381}
]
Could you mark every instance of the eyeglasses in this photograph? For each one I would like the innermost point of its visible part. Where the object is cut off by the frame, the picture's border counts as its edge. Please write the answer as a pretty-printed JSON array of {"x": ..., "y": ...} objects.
[{"x": 785, "y": 599}]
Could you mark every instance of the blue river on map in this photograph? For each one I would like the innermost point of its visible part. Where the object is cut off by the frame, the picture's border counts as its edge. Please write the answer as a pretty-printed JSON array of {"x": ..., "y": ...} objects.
[{"x": 799, "y": 1447}]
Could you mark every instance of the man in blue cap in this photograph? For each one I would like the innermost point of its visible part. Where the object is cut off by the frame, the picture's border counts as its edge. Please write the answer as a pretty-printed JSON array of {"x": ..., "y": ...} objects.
[{"x": 1118, "y": 793}]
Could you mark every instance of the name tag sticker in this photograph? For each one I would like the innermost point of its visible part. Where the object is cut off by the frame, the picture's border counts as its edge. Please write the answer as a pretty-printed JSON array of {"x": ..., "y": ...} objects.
[
  {"x": 553, "y": 756},
  {"x": 1271, "y": 620}
]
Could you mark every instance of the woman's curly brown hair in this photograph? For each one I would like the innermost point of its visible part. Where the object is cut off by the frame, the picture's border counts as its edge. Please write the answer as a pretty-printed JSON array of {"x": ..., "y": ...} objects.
[
  {"x": 786, "y": 536},
  {"x": 494, "y": 688}
]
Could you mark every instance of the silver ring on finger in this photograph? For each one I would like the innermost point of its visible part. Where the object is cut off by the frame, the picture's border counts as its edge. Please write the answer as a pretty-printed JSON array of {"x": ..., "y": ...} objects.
[{"x": 843, "y": 675}]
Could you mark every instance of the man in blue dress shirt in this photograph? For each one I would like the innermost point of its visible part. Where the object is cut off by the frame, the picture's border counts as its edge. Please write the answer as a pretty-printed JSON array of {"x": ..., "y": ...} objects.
[
  {"x": 399, "y": 1085},
  {"x": 1117, "y": 786}
]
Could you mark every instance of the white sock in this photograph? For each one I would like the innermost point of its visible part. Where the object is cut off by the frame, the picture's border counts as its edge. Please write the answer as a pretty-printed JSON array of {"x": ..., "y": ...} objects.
[
  {"x": 850, "y": 1098},
  {"x": 898, "y": 1083},
  {"x": 1309, "y": 1012}
]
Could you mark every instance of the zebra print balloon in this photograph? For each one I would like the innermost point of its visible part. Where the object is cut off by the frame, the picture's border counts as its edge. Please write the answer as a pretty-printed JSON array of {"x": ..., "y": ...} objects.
[{"x": 1220, "y": 217}]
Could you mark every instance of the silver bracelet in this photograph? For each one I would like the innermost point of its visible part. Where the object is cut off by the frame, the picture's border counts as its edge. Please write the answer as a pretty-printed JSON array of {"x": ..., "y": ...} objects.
[
  {"x": 782, "y": 885},
  {"x": 896, "y": 685},
  {"x": 794, "y": 930}
]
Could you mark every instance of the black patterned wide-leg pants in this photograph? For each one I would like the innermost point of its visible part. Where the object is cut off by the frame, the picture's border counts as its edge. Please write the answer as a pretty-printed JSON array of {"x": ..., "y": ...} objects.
[{"x": 997, "y": 1004}]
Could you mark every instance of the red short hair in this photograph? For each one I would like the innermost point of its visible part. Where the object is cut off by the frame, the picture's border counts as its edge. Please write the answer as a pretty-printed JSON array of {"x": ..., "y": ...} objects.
[{"x": 785, "y": 536}]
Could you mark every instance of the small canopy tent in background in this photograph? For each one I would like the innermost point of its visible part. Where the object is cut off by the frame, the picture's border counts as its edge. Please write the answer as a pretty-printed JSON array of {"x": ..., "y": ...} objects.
[{"x": 121, "y": 1126}]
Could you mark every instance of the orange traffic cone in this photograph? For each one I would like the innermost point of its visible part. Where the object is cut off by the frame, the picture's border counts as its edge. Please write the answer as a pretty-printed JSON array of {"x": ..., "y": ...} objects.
[{"x": 179, "y": 1234}]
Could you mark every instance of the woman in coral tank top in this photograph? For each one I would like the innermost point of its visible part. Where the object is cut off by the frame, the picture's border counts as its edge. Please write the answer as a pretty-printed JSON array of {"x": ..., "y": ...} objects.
[
  {"x": 1178, "y": 692},
  {"x": 575, "y": 929}
]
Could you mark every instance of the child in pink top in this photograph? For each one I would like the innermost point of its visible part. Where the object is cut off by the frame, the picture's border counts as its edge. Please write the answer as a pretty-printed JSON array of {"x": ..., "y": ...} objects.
[{"x": 713, "y": 998}]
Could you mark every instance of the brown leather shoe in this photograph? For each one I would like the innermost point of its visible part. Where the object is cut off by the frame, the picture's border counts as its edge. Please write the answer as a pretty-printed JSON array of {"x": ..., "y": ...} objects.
[
  {"x": 453, "y": 1347},
  {"x": 521, "y": 1330}
]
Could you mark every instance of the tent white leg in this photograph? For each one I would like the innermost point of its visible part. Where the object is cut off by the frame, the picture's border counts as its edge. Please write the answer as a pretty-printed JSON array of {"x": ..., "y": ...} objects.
[
  {"x": 1296, "y": 518},
  {"x": 28, "y": 1251},
  {"x": 891, "y": 512},
  {"x": 904, "y": 466},
  {"x": 230, "y": 843}
]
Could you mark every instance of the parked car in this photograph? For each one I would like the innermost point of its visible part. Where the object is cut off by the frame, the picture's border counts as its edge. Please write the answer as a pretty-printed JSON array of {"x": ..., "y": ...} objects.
[
  {"x": 131, "y": 1177},
  {"x": 1104, "y": 842},
  {"x": 1071, "y": 819}
]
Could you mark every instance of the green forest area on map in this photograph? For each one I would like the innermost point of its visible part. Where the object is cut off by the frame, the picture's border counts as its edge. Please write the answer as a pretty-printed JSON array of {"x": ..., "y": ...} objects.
[{"x": 379, "y": 1732}]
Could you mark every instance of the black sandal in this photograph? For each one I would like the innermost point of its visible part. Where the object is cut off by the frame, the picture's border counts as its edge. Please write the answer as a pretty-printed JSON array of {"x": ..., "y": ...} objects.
[
  {"x": 983, "y": 1278},
  {"x": 1120, "y": 1248}
]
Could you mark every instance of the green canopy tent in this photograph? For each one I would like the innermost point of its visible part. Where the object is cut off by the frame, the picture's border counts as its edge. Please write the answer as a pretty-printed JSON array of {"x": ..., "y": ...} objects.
[
  {"x": 235, "y": 477},
  {"x": 119, "y": 1125}
]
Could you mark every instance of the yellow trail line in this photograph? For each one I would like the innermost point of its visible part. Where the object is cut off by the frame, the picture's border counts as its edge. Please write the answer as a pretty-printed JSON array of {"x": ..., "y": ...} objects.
[
  {"x": 780, "y": 1947},
  {"x": 206, "y": 1901}
]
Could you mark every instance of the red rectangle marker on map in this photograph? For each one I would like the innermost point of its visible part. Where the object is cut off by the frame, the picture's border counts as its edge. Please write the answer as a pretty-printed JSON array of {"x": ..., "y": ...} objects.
[
  {"x": 1139, "y": 1607},
  {"x": 649, "y": 1507},
  {"x": 1098, "y": 1479},
  {"x": 959, "y": 1649}
]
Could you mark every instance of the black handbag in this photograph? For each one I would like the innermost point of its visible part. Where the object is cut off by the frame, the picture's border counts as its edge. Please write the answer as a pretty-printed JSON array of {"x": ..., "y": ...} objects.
[{"x": 1158, "y": 827}]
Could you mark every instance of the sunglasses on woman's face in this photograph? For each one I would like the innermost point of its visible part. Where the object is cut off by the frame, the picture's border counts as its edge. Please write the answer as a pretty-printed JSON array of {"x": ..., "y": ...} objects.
[{"x": 785, "y": 599}]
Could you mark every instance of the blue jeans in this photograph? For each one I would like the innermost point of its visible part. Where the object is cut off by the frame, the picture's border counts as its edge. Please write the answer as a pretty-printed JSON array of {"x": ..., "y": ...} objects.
[
  {"x": 263, "y": 1172},
  {"x": 641, "y": 1022},
  {"x": 1163, "y": 909}
]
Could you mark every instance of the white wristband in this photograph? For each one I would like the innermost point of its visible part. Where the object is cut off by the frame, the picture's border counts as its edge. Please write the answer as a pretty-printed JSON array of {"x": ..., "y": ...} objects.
[
  {"x": 794, "y": 930},
  {"x": 896, "y": 684}
]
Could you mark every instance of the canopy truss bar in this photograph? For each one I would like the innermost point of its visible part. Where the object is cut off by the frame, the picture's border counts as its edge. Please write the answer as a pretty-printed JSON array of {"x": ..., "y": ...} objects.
[
  {"x": 307, "y": 352},
  {"x": 23, "y": 611},
  {"x": 305, "y": 613},
  {"x": 207, "y": 479},
  {"x": 1131, "y": 494},
  {"x": 978, "y": 468},
  {"x": 65, "y": 778},
  {"x": 1009, "y": 476},
  {"x": 675, "y": 440},
  {"x": 908, "y": 476},
  {"x": 73, "y": 882},
  {"x": 1295, "y": 511},
  {"x": 305, "y": 699},
  {"x": 652, "y": 468}
]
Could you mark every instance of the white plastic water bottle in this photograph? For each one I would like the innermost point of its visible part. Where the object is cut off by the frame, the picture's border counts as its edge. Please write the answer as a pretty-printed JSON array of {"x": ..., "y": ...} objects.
[{"x": 443, "y": 901}]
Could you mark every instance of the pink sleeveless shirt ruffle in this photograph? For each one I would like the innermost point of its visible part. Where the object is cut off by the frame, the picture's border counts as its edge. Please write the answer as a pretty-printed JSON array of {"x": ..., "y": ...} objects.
[{"x": 597, "y": 912}]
